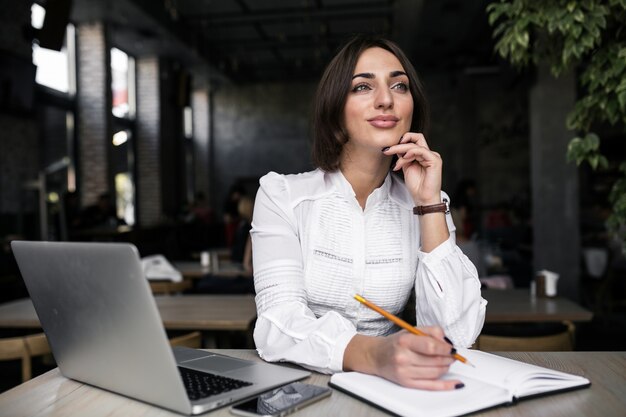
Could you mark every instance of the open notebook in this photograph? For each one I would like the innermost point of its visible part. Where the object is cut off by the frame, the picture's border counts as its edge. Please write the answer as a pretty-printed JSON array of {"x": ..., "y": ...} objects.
[{"x": 495, "y": 381}]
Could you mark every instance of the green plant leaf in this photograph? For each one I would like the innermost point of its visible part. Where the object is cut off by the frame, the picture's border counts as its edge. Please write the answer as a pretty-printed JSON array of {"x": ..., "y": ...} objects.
[{"x": 587, "y": 36}]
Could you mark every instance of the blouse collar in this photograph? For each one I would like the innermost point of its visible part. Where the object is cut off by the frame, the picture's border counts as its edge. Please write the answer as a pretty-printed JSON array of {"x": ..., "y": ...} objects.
[{"x": 345, "y": 188}]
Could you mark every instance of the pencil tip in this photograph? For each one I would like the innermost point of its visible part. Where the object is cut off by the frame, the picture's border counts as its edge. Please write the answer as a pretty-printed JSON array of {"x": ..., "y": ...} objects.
[{"x": 469, "y": 363}]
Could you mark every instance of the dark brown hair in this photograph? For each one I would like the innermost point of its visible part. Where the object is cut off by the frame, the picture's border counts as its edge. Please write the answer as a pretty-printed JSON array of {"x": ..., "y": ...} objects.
[{"x": 329, "y": 133}]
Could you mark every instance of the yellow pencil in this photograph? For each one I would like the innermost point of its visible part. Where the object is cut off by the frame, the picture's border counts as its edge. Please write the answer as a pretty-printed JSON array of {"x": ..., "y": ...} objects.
[{"x": 403, "y": 324}]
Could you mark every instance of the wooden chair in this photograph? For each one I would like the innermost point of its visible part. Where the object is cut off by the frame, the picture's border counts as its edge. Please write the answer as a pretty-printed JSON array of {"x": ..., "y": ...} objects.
[
  {"x": 24, "y": 348},
  {"x": 190, "y": 340},
  {"x": 562, "y": 341},
  {"x": 27, "y": 347}
]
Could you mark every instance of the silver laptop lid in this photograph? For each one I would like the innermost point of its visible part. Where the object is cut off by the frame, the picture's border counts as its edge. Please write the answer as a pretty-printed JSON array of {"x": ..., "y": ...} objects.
[{"x": 101, "y": 319}]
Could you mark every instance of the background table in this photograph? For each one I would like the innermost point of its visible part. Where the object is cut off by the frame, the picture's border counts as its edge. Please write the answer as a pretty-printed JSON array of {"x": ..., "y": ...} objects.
[
  {"x": 236, "y": 312},
  {"x": 207, "y": 312},
  {"x": 52, "y": 394},
  {"x": 192, "y": 269},
  {"x": 179, "y": 312},
  {"x": 511, "y": 306},
  {"x": 222, "y": 268}
]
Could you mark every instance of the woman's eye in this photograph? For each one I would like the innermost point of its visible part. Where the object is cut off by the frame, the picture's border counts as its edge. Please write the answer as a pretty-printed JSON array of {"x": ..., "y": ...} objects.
[
  {"x": 401, "y": 87},
  {"x": 360, "y": 87}
]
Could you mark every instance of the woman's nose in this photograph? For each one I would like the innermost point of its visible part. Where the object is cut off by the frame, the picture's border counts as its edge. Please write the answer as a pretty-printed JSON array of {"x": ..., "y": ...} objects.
[{"x": 384, "y": 99}]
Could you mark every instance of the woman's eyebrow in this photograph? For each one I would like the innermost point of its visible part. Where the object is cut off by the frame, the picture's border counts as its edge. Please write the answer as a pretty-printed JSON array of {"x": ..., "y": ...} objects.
[
  {"x": 369, "y": 75},
  {"x": 397, "y": 74}
]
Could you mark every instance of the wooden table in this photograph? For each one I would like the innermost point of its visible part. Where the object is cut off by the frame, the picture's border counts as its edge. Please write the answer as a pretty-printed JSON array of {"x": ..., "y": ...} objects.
[
  {"x": 236, "y": 312},
  {"x": 192, "y": 269},
  {"x": 207, "y": 312},
  {"x": 514, "y": 306},
  {"x": 180, "y": 312},
  {"x": 51, "y": 394}
]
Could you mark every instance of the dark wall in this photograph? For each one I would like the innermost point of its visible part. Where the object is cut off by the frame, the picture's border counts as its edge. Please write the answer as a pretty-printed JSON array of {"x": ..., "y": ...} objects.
[
  {"x": 260, "y": 128},
  {"x": 479, "y": 125}
]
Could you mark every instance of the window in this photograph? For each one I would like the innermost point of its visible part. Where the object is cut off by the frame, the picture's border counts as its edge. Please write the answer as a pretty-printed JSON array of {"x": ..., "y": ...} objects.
[
  {"x": 55, "y": 69},
  {"x": 122, "y": 160},
  {"x": 55, "y": 112},
  {"x": 124, "y": 195},
  {"x": 188, "y": 122},
  {"x": 122, "y": 84},
  {"x": 188, "y": 163},
  {"x": 122, "y": 142}
]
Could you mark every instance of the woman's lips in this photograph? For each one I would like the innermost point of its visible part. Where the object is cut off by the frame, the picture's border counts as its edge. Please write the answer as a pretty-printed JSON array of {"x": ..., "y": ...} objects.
[{"x": 384, "y": 122}]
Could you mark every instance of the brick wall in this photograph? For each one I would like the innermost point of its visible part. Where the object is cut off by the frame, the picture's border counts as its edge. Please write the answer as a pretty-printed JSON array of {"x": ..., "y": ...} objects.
[
  {"x": 93, "y": 111},
  {"x": 148, "y": 141}
]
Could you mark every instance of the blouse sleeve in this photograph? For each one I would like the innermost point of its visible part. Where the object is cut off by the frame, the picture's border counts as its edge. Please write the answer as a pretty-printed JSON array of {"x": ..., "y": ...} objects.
[
  {"x": 448, "y": 292},
  {"x": 286, "y": 329}
]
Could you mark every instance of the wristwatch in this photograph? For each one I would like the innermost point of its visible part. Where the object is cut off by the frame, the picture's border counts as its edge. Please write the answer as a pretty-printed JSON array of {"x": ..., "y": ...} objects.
[{"x": 433, "y": 208}]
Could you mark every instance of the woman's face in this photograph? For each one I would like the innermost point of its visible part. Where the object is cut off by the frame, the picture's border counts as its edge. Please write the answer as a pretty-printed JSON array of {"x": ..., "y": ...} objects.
[{"x": 379, "y": 107}]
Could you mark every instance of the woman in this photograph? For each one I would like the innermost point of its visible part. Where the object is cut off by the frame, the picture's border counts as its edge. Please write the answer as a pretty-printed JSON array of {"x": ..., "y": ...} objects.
[{"x": 348, "y": 228}]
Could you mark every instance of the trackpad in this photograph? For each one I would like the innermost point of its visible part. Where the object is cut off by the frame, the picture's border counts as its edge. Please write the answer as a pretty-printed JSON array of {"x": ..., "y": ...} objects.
[{"x": 216, "y": 364}]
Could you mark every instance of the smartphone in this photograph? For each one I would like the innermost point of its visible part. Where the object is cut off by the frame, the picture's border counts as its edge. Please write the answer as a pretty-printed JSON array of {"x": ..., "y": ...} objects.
[{"x": 281, "y": 401}]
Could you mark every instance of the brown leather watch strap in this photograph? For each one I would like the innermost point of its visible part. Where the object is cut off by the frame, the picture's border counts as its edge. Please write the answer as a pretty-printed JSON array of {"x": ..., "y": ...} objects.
[{"x": 433, "y": 208}]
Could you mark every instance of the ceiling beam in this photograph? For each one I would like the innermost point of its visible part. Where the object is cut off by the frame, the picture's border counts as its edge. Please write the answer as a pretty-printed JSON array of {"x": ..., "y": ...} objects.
[
  {"x": 377, "y": 9},
  {"x": 288, "y": 42}
]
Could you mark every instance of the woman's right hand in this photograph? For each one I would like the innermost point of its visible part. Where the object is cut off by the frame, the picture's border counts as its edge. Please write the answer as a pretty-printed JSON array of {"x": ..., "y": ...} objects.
[{"x": 404, "y": 358}]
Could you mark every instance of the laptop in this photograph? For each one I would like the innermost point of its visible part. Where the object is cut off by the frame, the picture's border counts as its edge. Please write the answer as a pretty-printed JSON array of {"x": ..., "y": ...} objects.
[{"x": 98, "y": 312}]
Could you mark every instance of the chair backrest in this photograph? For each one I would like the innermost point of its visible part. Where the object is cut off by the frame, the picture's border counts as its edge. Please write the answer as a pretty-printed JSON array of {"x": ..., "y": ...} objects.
[
  {"x": 191, "y": 340},
  {"x": 562, "y": 341},
  {"x": 24, "y": 348},
  {"x": 168, "y": 287}
]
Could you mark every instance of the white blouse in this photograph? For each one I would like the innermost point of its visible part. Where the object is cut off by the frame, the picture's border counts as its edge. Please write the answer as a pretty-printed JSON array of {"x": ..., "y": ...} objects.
[{"x": 314, "y": 248}]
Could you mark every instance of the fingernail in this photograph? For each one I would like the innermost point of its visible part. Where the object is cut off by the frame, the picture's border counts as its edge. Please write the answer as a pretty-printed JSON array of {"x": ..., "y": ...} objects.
[
  {"x": 448, "y": 340},
  {"x": 459, "y": 385},
  {"x": 452, "y": 351},
  {"x": 400, "y": 138},
  {"x": 386, "y": 148}
]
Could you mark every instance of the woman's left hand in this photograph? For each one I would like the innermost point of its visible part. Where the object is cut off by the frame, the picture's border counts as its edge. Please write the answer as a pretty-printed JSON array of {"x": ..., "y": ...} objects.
[{"x": 421, "y": 166}]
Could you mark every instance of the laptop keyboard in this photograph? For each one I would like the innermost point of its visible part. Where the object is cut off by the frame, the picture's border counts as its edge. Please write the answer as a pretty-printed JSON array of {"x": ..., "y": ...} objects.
[{"x": 203, "y": 384}]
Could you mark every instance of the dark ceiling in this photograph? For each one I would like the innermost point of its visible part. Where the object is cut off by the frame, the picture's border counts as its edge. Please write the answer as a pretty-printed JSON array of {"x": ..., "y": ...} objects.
[{"x": 269, "y": 40}]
